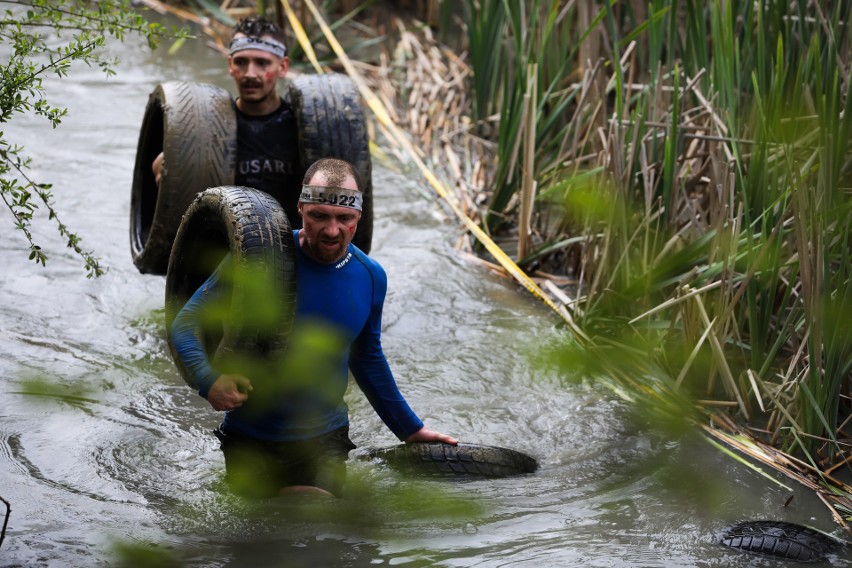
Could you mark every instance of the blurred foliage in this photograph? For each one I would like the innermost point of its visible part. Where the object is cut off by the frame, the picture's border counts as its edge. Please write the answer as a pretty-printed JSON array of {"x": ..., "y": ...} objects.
[{"x": 77, "y": 395}]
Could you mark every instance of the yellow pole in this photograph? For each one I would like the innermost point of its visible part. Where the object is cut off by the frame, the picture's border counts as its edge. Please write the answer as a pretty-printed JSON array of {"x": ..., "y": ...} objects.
[{"x": 302, "y": 36}]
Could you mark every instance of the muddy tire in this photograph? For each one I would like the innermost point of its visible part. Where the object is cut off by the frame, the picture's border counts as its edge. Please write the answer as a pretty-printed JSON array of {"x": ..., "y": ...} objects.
[
  {"x": 435, "y": 459},
  {"x": 252, "y": 226},
  {"x": 331, "y": 124},
  {"x": 195, "y": 126},
  {"x": 780, "y": 539}
]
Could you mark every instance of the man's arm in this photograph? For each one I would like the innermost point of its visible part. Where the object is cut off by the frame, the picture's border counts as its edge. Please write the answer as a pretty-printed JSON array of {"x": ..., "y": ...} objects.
[
  {"x": 370, "y": 368},
  {"x": 223, "y": 392},
  {"x": 373, "y": 375}
]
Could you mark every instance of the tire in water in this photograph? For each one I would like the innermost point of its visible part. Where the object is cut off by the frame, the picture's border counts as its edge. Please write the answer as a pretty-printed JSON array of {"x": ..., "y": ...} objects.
[
  {"x": 331, "y": 124},
  {"x": 781, "y": 540},
  {"x": 261, "y": 287},
  {"x": 195, "y": 126},
  {"x": 436, "y": 459}
]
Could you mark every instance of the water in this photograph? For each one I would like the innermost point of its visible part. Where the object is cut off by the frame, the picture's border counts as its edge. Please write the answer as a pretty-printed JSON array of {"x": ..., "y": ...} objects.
[{"x": 104, "y": 450}]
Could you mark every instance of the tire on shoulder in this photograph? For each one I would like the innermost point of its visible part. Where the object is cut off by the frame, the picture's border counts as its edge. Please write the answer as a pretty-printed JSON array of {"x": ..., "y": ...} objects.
[
  {"x": 195, "y": 126},
  {"x": 331, "y": 124},
  {"x": 440, "y": 460},
  {"x": 257, "y": 310}
]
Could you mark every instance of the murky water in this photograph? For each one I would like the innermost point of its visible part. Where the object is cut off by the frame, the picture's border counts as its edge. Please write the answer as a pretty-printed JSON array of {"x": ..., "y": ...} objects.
[{"x": 103, "y": 449}]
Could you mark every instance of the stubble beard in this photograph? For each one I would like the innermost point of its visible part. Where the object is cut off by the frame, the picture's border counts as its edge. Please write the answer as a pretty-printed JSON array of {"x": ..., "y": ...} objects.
[{"x": 327, "y": 256}]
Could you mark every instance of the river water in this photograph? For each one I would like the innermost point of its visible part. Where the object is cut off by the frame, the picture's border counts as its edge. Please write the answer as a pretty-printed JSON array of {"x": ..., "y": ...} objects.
[{"x": 107, "y": 458}]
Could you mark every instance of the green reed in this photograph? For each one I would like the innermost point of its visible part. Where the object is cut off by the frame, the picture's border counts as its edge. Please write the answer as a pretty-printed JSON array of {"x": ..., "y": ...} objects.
[
  {"x": 508, "y": 41},
  {"x": 702, "y": 175}
]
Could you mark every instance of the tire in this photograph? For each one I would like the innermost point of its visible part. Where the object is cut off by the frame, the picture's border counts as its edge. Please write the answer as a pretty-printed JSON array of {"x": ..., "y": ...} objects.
[
  {"x": 436, "y": 459},
  {"x": 195, "y": 126},
  {"x": 331, "y": 124},
  {"x": 252, "y": 226},
  {"x": 781, "y": 540}
]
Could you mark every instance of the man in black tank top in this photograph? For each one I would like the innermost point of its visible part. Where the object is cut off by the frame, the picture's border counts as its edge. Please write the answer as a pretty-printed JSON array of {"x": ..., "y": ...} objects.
[{"x": 267, "y": 134}]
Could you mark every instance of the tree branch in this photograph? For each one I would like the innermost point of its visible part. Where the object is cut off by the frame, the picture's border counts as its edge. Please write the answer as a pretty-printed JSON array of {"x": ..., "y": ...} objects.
[{"x": 6, "y": 520}]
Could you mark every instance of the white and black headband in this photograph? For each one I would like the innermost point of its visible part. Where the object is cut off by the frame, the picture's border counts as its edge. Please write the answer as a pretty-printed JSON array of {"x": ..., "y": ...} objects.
[
  {"x": 338, "y": 196},
  {"x": 266, "y": 44}
]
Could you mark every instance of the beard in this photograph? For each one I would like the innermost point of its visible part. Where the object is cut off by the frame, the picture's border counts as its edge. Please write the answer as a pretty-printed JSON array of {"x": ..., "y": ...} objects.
[{"x": 327, "y": 255}]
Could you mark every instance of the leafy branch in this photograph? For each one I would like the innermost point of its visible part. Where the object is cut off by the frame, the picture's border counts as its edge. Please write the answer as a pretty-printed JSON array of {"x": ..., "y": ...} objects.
[{"x": 74, "y": 32}]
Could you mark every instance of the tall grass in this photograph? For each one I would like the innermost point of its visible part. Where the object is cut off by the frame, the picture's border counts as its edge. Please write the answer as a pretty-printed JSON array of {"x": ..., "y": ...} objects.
[
  {"x": 704, "y": 194},
  {"x": 506, "y": 41}
]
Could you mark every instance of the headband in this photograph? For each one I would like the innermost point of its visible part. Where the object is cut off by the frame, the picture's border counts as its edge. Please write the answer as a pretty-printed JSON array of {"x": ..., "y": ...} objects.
[
  {"x": 331, "y": 196},
  {"x": 268, "y": 45}
]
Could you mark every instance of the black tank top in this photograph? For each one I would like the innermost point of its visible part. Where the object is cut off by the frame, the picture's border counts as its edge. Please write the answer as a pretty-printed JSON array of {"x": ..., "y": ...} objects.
[{"x": 268, "y": 157}]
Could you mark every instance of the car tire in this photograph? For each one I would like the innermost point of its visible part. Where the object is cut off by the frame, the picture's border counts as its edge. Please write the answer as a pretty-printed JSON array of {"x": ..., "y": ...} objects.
[
  {"x": 780, "y": 539},
  {"x": 252, "y": 227},
  {"x": 437, "y": 459},
  {"x": 194, "y": 125},
  {"x": 332, "y": 124}
]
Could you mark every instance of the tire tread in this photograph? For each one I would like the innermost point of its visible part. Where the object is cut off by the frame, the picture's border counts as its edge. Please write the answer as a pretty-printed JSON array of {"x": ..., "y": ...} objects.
[
  {"x": 199, "y": 143},
  {"x": 256, "y": 231},
  {"x": 779, "y": 539}
]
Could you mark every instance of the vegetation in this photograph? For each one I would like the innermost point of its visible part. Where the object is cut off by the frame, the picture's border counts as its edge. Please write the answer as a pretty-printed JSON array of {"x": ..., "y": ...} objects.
[
  {"x": 702, "y": 156},
  {"x": 687, "y": 166},
  {"x": 43, "y": 38}
]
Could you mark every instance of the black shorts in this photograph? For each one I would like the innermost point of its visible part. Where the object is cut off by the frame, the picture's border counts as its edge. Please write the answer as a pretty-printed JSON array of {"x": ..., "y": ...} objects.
[{"x": 258, "y": 468}]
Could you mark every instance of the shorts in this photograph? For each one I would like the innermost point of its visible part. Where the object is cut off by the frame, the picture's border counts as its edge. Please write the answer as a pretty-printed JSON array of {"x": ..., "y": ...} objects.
[{"x": 260, "y": 468}]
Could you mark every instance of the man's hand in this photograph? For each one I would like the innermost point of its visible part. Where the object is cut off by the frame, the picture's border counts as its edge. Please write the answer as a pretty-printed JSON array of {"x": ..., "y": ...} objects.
[
  {"x": 427, "y": 435},
  {"x": 229, "y": 392},
  {"x": 157, "y": 168}
]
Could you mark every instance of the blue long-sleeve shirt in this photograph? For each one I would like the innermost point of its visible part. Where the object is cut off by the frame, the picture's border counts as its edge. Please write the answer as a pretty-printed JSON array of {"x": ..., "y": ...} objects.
[{"x": 337, "y": 326}]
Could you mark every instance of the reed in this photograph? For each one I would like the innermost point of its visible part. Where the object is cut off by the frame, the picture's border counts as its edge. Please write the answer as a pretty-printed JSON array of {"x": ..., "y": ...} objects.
[
  {"x": 506, "y": 41},
  {"x": 691, "y": 180},
  {"x": 707, "y": 218}
]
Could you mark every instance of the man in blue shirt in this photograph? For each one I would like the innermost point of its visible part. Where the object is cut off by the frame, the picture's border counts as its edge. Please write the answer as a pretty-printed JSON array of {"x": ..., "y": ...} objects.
[{"x": 290, "y": 432}]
